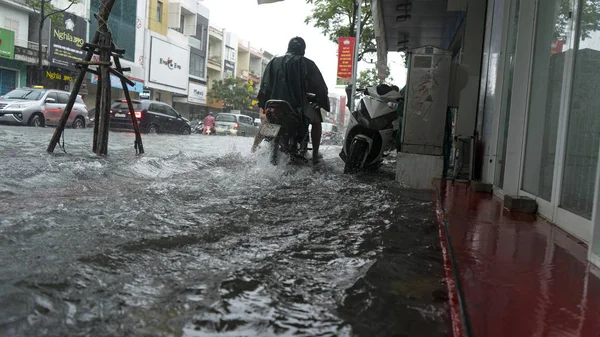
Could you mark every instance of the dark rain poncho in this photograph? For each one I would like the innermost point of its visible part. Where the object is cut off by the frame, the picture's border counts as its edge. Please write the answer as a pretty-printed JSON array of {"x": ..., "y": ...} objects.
[{"x": 289, "y": 78}]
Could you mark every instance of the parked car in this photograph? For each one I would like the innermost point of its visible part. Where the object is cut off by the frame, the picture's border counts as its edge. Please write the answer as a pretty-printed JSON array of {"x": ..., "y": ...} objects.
[
  {"x": 152, "y": 116},
  {"x": 235, "y": 125},
  {"x": 41, "y": 107}
]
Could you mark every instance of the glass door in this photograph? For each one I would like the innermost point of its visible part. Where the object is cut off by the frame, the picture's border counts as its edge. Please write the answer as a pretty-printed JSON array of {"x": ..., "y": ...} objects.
[
  {"x": 549, "y": 74},
  {"x": 563, "y": 131},
  {"x": 510, "y": 53},
  {"x": 582, "y": 125}
]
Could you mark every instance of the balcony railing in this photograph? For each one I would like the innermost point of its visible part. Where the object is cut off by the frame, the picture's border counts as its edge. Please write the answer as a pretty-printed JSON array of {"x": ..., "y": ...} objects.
[
  {"x": 215, "y": 60},
  {"x": 30, "y": 45}
]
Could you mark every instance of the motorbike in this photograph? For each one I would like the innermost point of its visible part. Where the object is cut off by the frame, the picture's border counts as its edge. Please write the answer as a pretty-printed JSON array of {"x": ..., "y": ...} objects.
[
  {"x": 198, "y": 127},
  {"x": 287, "y": 129},
  {"x": 371, "y": 130}
]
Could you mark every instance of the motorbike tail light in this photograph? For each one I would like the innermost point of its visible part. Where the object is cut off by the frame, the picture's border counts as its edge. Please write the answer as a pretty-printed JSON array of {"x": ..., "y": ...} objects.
[
  {"x": 236, "y": 126},
  {"x": 138, "y": 114}
]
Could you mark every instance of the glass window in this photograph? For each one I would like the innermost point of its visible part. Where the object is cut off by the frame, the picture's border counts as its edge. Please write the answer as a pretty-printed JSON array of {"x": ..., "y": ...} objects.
[
  {"x": 181, "y": 23},
  {"x": 53, "y": 96},
  {"x": 509, "y": 66},
  {"x": 63, "y": 98},
  {"x": 159, "y": 7},
  {"x": 246, "y": 120},
  {"x": 196, "y": 65},
  {"x": 170, "y": 111},
  {"x": 583, "y": 139},
  {"x": 122, "y": 22},
  {"x": 28, "y": 94},
  {"x": 225, "y": 118},
  {"x": 553, "y": 28}
]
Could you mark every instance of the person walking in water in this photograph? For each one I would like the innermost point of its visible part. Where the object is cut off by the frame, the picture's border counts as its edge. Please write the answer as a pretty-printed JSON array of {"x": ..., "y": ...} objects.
[{"x": 209, "y": 124}]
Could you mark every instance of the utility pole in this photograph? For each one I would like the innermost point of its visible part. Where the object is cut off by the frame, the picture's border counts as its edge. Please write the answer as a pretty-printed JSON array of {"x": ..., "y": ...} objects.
[{"x": 355, "y": 60}]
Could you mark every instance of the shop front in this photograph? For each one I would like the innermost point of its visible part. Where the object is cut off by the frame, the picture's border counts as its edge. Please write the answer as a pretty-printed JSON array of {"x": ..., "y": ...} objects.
[
  {"x": 116, "y": 89},
  {"x": 539, "y": 106},
  {"x": 193, "y": 107},
  {"x": 13, "y": 74}
]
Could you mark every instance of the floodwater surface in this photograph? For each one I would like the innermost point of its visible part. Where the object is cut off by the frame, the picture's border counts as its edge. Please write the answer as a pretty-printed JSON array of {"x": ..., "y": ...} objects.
[{"x": 199, "y": 237}]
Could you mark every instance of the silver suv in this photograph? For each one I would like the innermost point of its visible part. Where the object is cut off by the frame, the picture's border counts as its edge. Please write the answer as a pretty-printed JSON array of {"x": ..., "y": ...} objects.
[{"x": 40, "y": 107}]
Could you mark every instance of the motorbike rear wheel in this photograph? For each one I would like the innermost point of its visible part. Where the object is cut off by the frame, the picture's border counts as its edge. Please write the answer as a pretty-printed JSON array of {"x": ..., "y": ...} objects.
[{"x": 356, "y": 155}]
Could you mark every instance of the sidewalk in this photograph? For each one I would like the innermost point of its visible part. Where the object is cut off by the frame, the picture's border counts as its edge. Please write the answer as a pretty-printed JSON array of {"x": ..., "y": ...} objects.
[{"x": 520, "y": 275}]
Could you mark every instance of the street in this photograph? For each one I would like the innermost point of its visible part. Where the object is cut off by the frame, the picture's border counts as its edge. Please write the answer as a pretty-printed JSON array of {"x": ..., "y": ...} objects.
[{"x": 199, "y": 237}]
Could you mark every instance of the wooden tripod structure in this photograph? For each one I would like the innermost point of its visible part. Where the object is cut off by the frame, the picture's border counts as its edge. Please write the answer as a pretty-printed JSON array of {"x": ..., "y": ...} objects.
[{"x": 103, "y": 45}]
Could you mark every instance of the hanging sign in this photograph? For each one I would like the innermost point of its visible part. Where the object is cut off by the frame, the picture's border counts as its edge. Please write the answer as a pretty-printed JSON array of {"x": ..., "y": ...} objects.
[
  {"x": 66, "y": 39},
  {"x": 345, "y": 60}
]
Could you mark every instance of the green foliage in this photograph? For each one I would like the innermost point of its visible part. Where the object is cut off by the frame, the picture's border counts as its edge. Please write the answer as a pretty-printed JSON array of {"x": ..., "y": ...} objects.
[
  {"x": 590, "y": 19},
  {"x": 49, "y": 11},
  {"x": 369, "y": 77},
  {"x": 337, "y": 18},
  {"x": 235, "y": 93}
]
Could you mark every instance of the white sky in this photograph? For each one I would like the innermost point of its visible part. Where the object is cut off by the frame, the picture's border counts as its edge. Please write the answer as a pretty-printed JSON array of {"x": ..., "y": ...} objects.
[{"x": 271, "y": 26}]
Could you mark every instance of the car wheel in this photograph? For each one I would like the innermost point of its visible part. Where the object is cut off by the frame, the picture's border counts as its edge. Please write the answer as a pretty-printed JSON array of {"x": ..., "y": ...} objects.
[
  {"x": 244, "y": 134},
  {"x": 36, "y": 120},
  {"x": 79, "y": 123},
  {"x": 153, "y": 128},
  {"x": 186, "y": 131}
]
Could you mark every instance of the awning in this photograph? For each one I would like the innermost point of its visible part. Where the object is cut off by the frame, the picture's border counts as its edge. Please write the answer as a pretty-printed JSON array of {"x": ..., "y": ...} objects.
[
  {"x": 260, "y": 2},
  {"x": 411, "y": 24}
]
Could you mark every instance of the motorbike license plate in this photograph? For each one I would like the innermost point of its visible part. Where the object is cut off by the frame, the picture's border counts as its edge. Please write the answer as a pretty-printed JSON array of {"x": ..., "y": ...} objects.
[
  {"x": 270, "y": 130},
  {"x": 119, "y": 115}
]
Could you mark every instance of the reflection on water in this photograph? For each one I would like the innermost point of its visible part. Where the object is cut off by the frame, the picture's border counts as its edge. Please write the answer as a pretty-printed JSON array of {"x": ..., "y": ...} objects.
[{"x": 200, "y": 238}]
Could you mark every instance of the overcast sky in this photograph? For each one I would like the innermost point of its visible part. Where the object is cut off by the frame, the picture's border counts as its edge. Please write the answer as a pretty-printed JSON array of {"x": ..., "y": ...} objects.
[{"x": 271, "y": 26}]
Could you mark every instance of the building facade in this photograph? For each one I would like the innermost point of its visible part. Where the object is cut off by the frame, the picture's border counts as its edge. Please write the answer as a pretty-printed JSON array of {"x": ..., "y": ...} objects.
[{"x": 523, "y": 110}]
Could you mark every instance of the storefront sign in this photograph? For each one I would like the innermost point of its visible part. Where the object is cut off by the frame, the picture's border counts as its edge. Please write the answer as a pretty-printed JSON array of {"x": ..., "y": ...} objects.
[
  {"x": 197, "y": 93},
  {"x": 345, "y": 60},
  {"x": 169, "y": 64},
  {"x": 56, "y": 76},
  {"x": 66, "y": 40},
  {"x": 7, "y": 44},
  {"x": 115, "y": 82}
]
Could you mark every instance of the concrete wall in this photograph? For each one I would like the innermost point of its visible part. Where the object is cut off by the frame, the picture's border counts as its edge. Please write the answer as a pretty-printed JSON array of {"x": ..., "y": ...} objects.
[{"x": 18, "y": 17}]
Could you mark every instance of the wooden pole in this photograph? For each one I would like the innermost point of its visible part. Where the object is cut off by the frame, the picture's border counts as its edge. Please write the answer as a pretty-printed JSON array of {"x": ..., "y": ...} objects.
[
  {"x": 139, "y": 147},
  {"x": 97, "y": 114},
  {"x": 102, "y": 17},
  {"x": 104, "y": 82}
]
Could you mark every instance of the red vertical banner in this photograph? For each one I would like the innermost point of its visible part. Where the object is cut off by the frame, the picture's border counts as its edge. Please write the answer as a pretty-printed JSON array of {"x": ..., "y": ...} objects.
[{"x": 345, "y": 60}]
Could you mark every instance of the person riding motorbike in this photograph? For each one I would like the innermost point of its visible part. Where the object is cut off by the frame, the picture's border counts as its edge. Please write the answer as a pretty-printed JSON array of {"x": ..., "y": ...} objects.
[
  {"x": 290, "y": 77},
  {"x": 209, "y": 124}
]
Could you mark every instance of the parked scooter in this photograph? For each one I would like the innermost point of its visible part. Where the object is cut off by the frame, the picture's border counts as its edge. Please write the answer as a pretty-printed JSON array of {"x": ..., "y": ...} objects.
[
  {"x": 198, "y": 127},
  {"x": 370, "y": 131},
  {"x": 287, "y": 129}
]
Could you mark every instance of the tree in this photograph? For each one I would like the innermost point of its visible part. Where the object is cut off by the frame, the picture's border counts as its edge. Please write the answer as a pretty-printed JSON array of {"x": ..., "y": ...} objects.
[
  {"x": 337, "y": 18},
  {"x": 369, "y": 77},
  {"x": 46, "y": 10},
  {"x": 235, "y": 93},
  {"x": 590, "y": 20}
]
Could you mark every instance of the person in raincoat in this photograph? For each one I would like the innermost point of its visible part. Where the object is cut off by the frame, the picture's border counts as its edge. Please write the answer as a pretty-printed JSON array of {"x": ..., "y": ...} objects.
[
  {"x": 209, "y": 124},
  {"x": 290, "y": 77}
]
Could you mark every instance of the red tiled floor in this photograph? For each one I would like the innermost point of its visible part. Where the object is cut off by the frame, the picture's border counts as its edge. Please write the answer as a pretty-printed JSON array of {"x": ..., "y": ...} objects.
[{"x": 521, "y": 276}]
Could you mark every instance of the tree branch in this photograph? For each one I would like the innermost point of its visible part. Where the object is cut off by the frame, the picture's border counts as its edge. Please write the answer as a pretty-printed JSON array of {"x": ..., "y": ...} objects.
[{"x": 58, "y": 11}]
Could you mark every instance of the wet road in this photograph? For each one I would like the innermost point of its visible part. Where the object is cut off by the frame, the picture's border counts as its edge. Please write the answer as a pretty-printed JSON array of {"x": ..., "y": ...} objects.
[{"x": 200, "y": 238}]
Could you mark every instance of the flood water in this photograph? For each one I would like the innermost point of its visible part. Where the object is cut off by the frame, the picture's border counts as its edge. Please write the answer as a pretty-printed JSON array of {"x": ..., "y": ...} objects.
[{"x": 199, "y": 237}]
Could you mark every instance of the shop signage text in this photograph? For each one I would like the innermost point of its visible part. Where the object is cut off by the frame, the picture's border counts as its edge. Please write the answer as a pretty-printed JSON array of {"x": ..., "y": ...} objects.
[
  {"x": 52, "y": 75},
  {"x": 169, "y": 64},
  {"x": 66, "y": 40},
  {"x": 345, "y": 60},
  {"x": 197, "y": 93}
]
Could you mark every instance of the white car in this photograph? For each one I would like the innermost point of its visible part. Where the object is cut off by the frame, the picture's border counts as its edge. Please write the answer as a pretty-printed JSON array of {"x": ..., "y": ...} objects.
[{"x": 235, "y": 125}]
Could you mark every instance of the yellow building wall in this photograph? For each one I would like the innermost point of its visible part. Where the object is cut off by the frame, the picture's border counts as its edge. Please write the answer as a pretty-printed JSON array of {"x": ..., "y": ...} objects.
[{"x": 153, "y": 24}]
